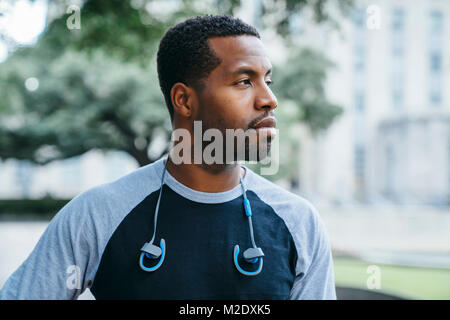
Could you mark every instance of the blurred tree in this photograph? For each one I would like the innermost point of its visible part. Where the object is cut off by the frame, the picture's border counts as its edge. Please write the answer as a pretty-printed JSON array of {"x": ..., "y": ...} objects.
[
  {"x": 98, "y": 88},
  {"x": 81, "y": 103},
  {"x": 131, "y": 29},
  {"x": 302, "y": 82}
]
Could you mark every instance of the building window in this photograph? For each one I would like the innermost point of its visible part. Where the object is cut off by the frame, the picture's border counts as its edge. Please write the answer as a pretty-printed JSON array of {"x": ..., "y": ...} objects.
[
  {"x": 359, "y": 101},
  {"x": 359, "y": 18},
  {"x": 435, "y": 92},
  {"x": 389, "y": 171},
  {"x": 435, "y": 58},
  {"x": 437, "y": 20},
  {"x": 435, "y": 62},
  {"x": 397, "y": 57},
  {"x": 359, "y": 168},
  {"x": 359, "y": 57},
  {"x": 360, "y": 155},
  {"x": 397, "y": 98},
  {"x": 398, "y": 20}
]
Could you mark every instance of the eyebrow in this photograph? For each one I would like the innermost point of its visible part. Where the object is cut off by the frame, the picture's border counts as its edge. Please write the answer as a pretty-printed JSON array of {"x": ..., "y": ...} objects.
[{"x": 248, "y": 71}]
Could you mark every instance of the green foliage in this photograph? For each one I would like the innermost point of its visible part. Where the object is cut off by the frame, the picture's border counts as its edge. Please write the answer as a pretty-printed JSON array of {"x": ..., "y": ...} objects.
[
  {"x": 322, "y": 12},
  {"x": 116, "y": 27},
  {"x": 302, "y": 81},
  {"x": 82, "y": 103},
  {"x": 20, "y": 208}
]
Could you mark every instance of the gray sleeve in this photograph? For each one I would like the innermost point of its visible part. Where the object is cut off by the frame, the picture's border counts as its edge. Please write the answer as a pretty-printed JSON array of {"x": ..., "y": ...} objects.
[
  {"x": 65, "y": 260},
  {"x": 317, "y": 282},
  {"x": 57, "y": 266}
]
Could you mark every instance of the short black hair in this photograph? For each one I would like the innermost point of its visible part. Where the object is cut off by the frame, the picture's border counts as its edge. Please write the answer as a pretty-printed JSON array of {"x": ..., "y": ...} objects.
[{"x": 184, "y": 54}]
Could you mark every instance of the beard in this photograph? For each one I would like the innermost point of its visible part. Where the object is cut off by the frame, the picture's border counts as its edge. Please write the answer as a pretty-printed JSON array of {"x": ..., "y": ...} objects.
[{"x": 236, "y": 144}]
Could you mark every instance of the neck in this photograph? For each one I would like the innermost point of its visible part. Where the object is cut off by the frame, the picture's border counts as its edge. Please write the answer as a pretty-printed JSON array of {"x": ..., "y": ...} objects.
[{"x": 207, "y": 178}]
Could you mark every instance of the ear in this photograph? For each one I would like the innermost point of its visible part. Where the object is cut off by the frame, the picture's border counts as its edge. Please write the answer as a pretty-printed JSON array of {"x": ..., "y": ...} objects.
[{"x": 182, "y": 100}]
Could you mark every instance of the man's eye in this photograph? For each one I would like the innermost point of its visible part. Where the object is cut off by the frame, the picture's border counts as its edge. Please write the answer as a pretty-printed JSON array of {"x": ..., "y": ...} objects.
[
  {"x": 244, "y": 81},
  {"x": 247, "y": 81}
]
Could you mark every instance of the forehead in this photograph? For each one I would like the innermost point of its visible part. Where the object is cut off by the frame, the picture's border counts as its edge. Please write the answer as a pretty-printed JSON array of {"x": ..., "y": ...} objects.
[{"x": 239, "y": 51}]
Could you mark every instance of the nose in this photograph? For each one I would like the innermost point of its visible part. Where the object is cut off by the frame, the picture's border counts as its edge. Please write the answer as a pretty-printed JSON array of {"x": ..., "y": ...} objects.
[{"x": 265, "y": 99}]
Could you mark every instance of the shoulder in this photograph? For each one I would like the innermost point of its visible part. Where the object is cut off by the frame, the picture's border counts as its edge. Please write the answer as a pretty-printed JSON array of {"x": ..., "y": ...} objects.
[
  {"x": 293, "y": 208},
  {"x": 109, "y": 203},
  {"x": 128, "y": 188}
]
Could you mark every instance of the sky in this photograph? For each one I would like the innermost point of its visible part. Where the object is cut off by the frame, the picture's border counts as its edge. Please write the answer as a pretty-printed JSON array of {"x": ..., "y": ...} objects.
[{"x": 21, "y": 20}]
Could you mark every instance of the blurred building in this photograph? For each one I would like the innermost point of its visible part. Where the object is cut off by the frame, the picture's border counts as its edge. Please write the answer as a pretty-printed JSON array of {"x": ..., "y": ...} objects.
[
  {"x": 392, "y": 77},
  {"x": 62, "y": 179}
]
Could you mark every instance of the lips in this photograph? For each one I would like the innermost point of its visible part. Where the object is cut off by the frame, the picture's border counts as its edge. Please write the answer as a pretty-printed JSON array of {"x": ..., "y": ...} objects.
[
  {"x": 266, "y": 127},
  {"x": 269, "y": 122}
]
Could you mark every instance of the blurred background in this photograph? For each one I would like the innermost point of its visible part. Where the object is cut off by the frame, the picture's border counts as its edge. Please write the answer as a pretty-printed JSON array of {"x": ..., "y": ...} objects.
[{"x": 364, "y": 120}]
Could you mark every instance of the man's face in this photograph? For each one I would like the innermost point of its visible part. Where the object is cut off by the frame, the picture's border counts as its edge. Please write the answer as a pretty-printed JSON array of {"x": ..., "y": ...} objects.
[{"x": 236, "y": 94}]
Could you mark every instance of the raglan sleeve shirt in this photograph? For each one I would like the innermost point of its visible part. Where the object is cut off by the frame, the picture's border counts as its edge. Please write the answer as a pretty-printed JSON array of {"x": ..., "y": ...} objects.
[{"x": 66, "y": 258}]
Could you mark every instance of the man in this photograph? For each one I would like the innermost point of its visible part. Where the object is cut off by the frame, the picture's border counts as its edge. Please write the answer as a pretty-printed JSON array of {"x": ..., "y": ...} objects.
[{"x": 212, "y": 69}]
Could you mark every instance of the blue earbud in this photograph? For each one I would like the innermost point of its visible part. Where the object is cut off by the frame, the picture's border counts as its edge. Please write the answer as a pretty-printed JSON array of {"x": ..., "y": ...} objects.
[
  {"x": 250, "y": 260},
  {"x": 151, "y": 251},
  {"x": 251, "y": 255}
]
